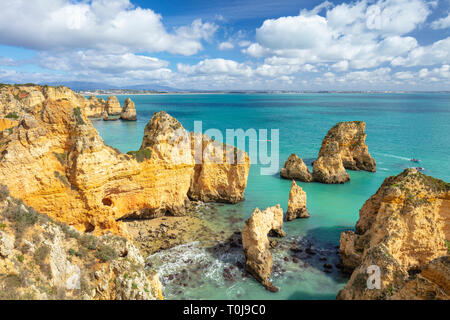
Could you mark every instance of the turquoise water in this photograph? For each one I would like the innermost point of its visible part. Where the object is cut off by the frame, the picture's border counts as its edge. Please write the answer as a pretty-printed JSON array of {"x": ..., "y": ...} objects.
[{"x": 398, "y": 127}]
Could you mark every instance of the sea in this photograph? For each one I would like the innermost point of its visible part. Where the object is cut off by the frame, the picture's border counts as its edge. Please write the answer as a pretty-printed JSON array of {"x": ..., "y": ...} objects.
[{"x": 399, "y": 127}]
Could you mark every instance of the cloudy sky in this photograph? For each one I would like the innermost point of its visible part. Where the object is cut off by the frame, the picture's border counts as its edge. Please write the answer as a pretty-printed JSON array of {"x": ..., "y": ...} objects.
[{"x": 229, "y": 44}]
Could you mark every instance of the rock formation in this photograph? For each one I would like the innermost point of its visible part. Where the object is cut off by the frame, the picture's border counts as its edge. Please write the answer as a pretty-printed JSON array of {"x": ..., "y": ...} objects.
[
  {"x": 113, "y": 107},
  {"x": 329, "y": 168},
  {"x": 256, "y": 245},
  {"x": 44, "y": 259},
  {"x": 351, "y": 140},
  {"x": 129, "y": 111},
  {"x": 403, "y": 229},
  {"x": 297, "y": 203},
  {"x": 295, "y": 168},
  {"x": 58, "y": 164}
]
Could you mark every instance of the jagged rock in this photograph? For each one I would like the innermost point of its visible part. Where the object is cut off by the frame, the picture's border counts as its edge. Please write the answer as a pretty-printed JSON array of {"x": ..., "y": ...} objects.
[
  {"x": 129, "y": 111},
  {"x": 6, "y": 124},
  {"x": 71, "y": 175},
  {"x": 256, "y": 245},
  {"x": 297, "y": 203},
  {"x": 329, "y": 168},
  {"x": 74, "y": 265},
  {"x": 351, "y": 138},
  {"x": 402, "y": 228},
  {"x": 295, "y": 168},
  {"x": 113, "y": 107}
]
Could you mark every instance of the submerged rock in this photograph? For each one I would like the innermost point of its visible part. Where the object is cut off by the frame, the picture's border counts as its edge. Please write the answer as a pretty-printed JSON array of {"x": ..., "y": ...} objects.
[
  {"x": 401, "y": 230},
  {"x": 329, "y": 168},
  {"x": 259, "y": 261},
  {"x": 352, "y": 148},
  {"x": 129, "y": 111},
  {"x": 297, "y": 203},
  {"x": 295, "y": 168}
]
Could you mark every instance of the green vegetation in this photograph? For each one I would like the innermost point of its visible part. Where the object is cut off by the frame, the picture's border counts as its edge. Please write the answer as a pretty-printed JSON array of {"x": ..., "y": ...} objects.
[
  {"x": 62, "y": 178},
  {"x": 20, "y": 258},
  {"x": 12, "y": 115},
  {"x": 447, "y": 243},
  {"x": 62, "y": 157},
  {"x": 40, "y": 257},
  {"x": 105, "y": 253},
  {"x": 74, "y": 252},
  {"x": 78, "y": 116},
  {"x": 141, "y": 155}
]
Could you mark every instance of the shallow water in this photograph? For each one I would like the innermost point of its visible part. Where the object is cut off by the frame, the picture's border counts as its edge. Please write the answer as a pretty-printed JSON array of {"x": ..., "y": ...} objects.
[{"x": 398, "y": 127}]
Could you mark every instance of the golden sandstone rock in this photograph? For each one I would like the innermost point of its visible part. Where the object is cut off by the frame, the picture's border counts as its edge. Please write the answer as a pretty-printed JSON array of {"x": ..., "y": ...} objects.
[
  {"x": 343, "y": 147},
  {"x": 61, "y": 167},
  {"x": 295, "y": 168},
  {"x": 128, "y": 111},
  {"x": 402, "y": 229},
  {"x": 256, "y": 245},
  {"x": 297, "y": 203},
  {"x": 351, "y": 140}
]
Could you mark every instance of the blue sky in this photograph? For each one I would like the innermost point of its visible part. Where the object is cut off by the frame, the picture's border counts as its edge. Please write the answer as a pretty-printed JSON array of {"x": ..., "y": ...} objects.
[{"x": 290, "y": 45}]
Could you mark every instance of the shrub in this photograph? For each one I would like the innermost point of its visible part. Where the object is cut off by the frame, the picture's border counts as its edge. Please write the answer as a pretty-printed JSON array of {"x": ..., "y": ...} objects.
[
  {"x": 105, "y": 253},
  {"x": 12, "y": 115},
  {"x": 74, "y": 252},
  {"x": 78, "y": 116},
  {"x": 141, "y": 155},
  {"x": 40, "y": 256}
]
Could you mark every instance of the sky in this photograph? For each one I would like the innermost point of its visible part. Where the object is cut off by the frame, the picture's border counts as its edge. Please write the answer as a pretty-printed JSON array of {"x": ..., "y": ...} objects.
[{"x": 229, "y": 45}]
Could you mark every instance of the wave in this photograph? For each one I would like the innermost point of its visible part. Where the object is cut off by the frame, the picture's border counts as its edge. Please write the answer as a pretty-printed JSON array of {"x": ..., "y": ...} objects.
[{"x": 393, "y": 156}]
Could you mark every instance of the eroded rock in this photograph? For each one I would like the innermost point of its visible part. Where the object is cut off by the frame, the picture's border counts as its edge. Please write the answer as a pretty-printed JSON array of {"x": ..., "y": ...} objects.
[
  {"x": 297, "y": 203},
  {"x": 129, "y": 111},
  {"x": 295, "y": 168}
]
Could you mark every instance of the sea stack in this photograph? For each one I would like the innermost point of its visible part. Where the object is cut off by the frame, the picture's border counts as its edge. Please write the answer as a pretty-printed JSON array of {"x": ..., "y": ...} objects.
[
  {"x": 113, "y": 107},
  {"x": 295, "y": 168},
  {"x": 403, "y": 232},
  {"x": 129, "y": 111},
  {"x": 329, "y": 168},
  {"x": 351, "y": 139},
  {"x": 256, "y": 245},
  {"x": 297, "y": 203}
]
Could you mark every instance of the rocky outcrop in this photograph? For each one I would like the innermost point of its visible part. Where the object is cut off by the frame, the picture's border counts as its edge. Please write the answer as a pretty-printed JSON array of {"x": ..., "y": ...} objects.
[
  {"x": 329, "y": 168},
  {"x": 113, "y": 107},
  {"x": 295, "y": 168},
  {"x": 297, "y": 203},
  {"x": 403, "y": 228},
  {"x": 351, "y": 139},
  {"x": 17, "y": 100},
  {"x": 219, "y": 171},
  {"x": 129, "y": 111},
  {"x": 44, "y": 259},
  {"x": 57, "y": 163},
  {"x": 256, "y": 245}
]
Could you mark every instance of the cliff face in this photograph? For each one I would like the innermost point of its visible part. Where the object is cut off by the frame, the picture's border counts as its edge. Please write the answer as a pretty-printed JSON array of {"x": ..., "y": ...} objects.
[
  {"x": 329, "y": 168},
  {"x": 402, "y": 229},
  {"x": 44, "y": 259},
  {"x": 113, "y": 107},
  {"x": 351, "y": 140},
  {"x": 256, "y": 245},
  {"x": 219, "y": 171},
  {"x": 58, "y": 164}
]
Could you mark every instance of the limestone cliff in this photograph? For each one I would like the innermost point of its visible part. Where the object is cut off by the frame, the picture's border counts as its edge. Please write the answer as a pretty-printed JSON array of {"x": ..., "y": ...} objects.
[
  {"x": 57, "y": 163},
  {"x": 329, "y": 168},
  {"x": 351, "y": 139},
  {"x": 256, "y": 245},
  {"x": 295, "y": 168},
  {"x": 403, "y": 228},
  {"x": 219, "y": 171},
  {"x": 297, "y": 203},
  {"x": 44, "y": 259},
  {"x": 128, "y": 111}
]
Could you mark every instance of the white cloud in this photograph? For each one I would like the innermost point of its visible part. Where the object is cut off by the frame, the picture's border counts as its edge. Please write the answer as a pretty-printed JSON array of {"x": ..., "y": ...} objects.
[
  {"x": 437, "y": 53},
  {"x": 442, "y": 23},
  {"x": 226, "y": 46},
  {"x": 340, "y": 66},
  {"x": 216, "y": 66},
  {"x": 116, "y": 26}
]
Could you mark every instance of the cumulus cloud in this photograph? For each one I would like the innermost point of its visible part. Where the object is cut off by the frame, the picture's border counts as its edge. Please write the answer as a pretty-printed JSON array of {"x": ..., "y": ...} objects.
[
  {"x": 226, "y": 46},
  {"x": 116, "y": 26},
  {"x": 442, "y": 23}
]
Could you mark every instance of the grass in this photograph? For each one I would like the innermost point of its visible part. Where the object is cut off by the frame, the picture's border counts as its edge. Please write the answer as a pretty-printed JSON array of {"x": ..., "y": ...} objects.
[
  {"x": 12, "y": 115},
  {"x": 78, "y": 116},
  {"x": 141, "y": 155}
]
